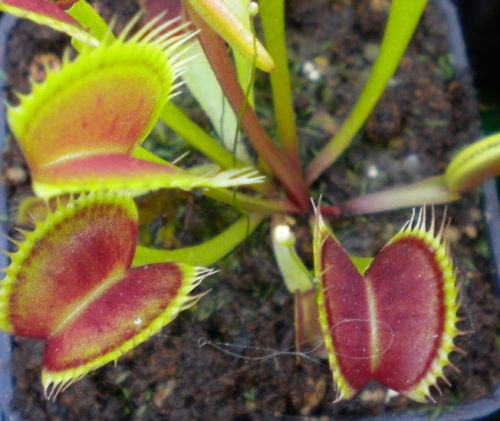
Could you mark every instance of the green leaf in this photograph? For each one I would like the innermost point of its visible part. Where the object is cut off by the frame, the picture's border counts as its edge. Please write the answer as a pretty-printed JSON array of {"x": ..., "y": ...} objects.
[
  {"x": 206, "y": 253},
  {"x": 403, "y": 19}
]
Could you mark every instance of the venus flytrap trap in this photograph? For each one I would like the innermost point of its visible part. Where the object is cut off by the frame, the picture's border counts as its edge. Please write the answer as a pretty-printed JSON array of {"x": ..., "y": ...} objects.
[
  {"x": 81, "y": 132},
  {"x": 79, "y": 129},
  {"x": 71, "y": 284},
  {"x": 474, "y": 164},
  {"x": 394, "y": 322}
]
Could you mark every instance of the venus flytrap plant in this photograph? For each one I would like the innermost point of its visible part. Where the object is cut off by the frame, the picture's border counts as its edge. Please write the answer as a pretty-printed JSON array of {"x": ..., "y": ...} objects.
[
  {"x": 81, "y": 132},
  {"x": 70, "y": 283}
]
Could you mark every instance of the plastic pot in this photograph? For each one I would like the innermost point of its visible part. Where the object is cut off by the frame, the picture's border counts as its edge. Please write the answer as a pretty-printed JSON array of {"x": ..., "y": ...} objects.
[
  {"x": 6, "y": 379},
  {"x": 487, "y": 407}
]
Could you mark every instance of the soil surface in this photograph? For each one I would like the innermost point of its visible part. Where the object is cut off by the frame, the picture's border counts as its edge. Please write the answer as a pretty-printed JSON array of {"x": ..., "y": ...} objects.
[{"x": 231, "y": 356}]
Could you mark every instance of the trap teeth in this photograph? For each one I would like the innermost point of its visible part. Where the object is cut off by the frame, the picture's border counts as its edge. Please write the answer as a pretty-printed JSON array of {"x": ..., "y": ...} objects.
[{"x": 404, "y": 307}]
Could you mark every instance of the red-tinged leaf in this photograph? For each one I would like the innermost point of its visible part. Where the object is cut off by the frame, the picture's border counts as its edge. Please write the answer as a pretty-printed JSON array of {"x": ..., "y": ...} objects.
[
  {"x": 397, "y": 322},
  {"x": 63, "y": 3},
  {"x": 125, "y": 314},
  {"x": 406, "y": 283},
  {"x": 124, "y": 173},
  {"x": 40, "y": 7},
  {"x": 344, "y": 314},
  {"x": 415, "y": 294},
  {"x": 106, "y": 171},
  {"x": 48, "y": 13},
  {"x": 106, "y": 101},
  {"x": 65, "y": 257},
  {"x": 115, "y": 316}
]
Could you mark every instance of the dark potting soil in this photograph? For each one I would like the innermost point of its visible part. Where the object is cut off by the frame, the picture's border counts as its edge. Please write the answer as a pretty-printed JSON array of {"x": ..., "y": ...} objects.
[{"x": 231, "y": 356}]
